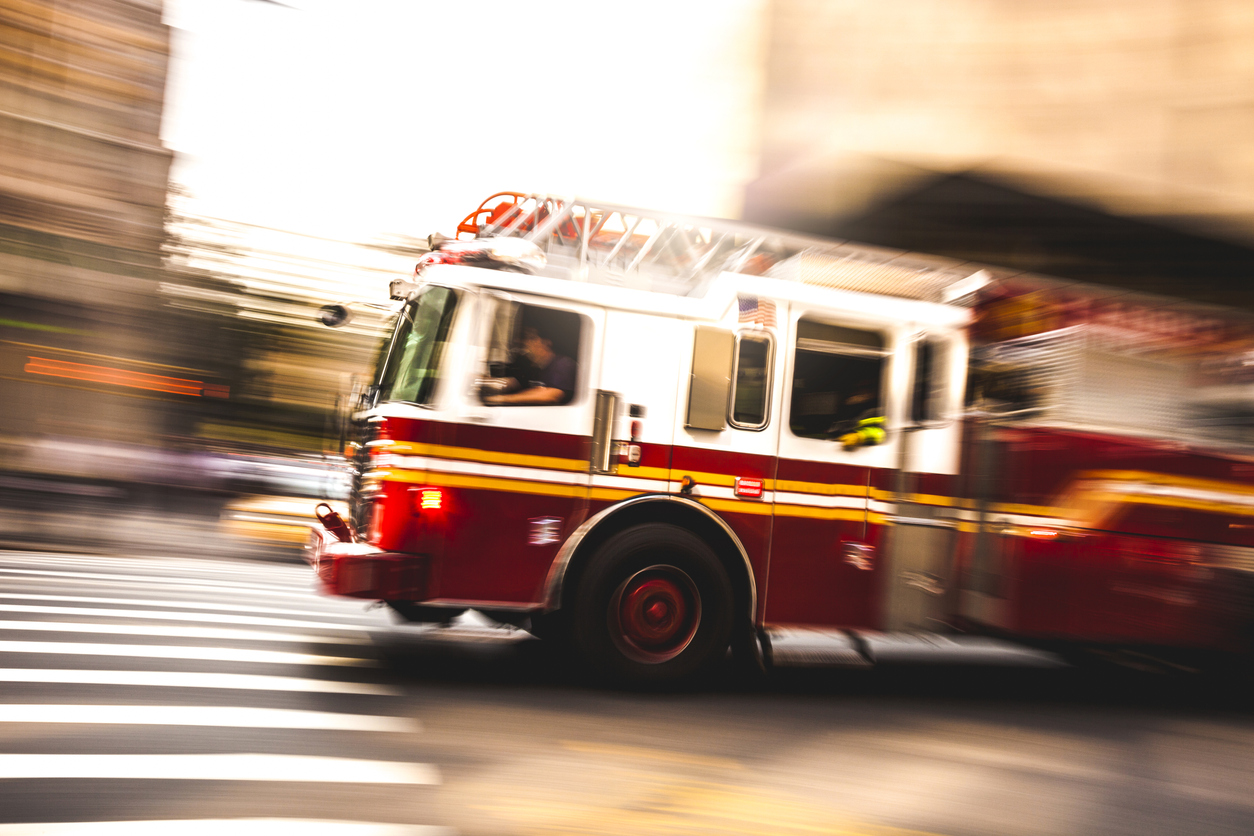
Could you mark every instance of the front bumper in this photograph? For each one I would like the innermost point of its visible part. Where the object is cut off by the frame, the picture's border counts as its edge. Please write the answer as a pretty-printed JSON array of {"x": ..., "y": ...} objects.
[{"x": 359, "y": 570}]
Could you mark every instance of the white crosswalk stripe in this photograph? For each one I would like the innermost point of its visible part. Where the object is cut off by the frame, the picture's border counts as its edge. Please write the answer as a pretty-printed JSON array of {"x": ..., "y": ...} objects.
[
  {"x": 206, "y": 654},
  {"x": 66, "y": 722},
  {"x": 175, "y": 679},
  {"x": 178, "y": 632},
  {"x": 232, "y": 767},
  {"x": 170, "y": 603},
  {"x": 226, "y": 586},
  {"x": 122, "y": 582},
  {"x": 204, "y": 715},
  {"x": 216, "y": 827},
  {"x": 174, "y": 615},
  {"x": 174, "y": 567}
]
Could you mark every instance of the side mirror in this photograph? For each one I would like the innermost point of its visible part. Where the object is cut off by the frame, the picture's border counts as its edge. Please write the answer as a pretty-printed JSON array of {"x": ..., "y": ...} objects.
[
  {"x": 334, "y": 316},
  {"x": 400, "y": 289}
]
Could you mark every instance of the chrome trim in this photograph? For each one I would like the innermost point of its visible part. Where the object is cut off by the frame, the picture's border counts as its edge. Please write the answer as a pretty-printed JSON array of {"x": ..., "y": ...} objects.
[
  {"x": 601, "y": 457},
  {"x": 859, "y": 556},
  {"x": 930, "y": 522},
  {"x": 1239, "y": 558},
  {"x": 923, "y": 581},
  {"x": 469, "y": 604},
  {"x": 557, "y": 571},
  {"x": 826, "y": 347},
  {"x": 316, "y": 544},
  {"x": 813, "y": 647}
]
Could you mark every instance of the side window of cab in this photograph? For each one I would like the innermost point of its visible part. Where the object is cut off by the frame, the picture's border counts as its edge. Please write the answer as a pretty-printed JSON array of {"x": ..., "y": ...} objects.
[
  {"x": 836, "y": 386},
  {"x": 751, "y": 380},
  {"x": 532, "y": 356}
]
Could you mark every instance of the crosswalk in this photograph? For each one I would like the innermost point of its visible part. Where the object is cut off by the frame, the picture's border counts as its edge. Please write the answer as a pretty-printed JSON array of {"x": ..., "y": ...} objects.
[{"x": 150, "y": 694}]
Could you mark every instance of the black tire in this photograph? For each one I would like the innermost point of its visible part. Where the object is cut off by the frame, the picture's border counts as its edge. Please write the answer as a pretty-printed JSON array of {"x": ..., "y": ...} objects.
[{"x": 654, "y": 607}]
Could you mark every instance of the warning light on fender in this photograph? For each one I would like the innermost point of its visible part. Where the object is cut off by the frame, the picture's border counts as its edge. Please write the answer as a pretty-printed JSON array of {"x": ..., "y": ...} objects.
[
  {"x": 426, "y": 499},
  {"x": 748, "y": 488}
]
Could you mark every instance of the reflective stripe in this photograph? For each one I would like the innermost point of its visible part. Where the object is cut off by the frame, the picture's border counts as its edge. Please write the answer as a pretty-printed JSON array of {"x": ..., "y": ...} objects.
[
  {"x": 820, "y": 488},
  {"x": 406, "y": 448},
  {"x": 482, "y": 469},
  {"x": 487, "y": 483},
  {"x": 820, "y": 501}
]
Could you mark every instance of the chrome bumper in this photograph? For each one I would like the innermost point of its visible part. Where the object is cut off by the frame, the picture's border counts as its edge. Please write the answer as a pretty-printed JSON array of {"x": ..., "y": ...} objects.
[{"x": 359, "y": 570}]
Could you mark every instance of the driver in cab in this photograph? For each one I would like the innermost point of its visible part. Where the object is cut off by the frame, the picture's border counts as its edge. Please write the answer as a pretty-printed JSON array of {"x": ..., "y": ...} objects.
[{"x": 549, "y": 380}]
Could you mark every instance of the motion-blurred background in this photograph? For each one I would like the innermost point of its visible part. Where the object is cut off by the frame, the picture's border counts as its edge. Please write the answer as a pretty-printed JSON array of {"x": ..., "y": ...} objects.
[{"x": 183, "y": 184}]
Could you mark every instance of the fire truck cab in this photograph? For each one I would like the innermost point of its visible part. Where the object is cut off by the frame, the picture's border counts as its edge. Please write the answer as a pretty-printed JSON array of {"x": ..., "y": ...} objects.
[{"x": 661, "y": 437}]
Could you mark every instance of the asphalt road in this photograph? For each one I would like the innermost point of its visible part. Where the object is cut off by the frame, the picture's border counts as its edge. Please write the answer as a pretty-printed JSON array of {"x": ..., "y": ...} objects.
[{"x": 164, "y": 695}]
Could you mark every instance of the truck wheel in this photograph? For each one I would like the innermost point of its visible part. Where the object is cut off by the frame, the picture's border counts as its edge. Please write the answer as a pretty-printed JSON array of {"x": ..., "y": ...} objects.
[{"x": 654, "y": 606}]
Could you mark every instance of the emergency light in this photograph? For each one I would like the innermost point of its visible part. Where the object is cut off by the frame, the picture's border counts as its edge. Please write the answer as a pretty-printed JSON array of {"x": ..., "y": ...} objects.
[{"x": 501, "y": 253}]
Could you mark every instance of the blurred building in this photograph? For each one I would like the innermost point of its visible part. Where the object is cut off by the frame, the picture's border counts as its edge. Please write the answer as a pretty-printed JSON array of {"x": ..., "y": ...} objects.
[
  {"x": 1104, "y": 141},
  {"x": 83, "y": 181}
]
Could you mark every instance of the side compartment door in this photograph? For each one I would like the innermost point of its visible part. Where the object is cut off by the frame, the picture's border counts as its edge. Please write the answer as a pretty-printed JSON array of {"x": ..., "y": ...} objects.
[
  {"x": 823, "y": 570},
  {"x": 521, "y": 468}
]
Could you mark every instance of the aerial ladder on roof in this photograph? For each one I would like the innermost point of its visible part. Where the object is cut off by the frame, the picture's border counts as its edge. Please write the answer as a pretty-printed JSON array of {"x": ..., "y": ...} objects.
[{"x": 618, "y": 245}]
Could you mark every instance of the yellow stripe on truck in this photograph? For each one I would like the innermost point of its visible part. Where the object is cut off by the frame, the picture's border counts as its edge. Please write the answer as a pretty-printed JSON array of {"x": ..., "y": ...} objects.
[{"x": 470, "y": 454}]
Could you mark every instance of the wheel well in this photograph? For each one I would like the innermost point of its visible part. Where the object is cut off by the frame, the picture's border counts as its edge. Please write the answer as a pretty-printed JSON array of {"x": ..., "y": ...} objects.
[{"x": 679, "y": 514}]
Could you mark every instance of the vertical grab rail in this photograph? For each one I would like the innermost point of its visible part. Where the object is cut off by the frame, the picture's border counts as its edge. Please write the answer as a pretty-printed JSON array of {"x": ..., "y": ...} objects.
[{"x": 602, "y": 450}]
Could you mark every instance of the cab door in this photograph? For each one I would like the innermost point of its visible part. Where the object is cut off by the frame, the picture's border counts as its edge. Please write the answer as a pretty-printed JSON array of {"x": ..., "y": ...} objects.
[
  {"x": 825, "y": 569},
  {"x": 917, "y": 524},
  {"x": 520, "y": 472}
]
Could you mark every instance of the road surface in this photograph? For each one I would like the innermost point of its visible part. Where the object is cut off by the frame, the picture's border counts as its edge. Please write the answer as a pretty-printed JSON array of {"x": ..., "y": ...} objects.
[{"x": 165, "y": 695}]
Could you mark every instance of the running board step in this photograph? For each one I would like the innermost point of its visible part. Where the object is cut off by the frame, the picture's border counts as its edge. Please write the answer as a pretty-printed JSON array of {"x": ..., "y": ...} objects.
[{"x": 790, "y": 647}]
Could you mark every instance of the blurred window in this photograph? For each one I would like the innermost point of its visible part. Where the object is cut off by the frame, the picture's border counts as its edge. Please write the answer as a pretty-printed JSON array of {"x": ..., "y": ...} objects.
[
  {"x": 752, "y": 380},
  {"x": 927, "y": 402},
  {"x": 836, "y": 381},
  {"x": 413, "y": 362}
]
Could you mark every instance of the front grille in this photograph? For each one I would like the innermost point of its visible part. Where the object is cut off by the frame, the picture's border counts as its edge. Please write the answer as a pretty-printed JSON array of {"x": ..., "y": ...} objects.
[{"x": 363, "y": 432}]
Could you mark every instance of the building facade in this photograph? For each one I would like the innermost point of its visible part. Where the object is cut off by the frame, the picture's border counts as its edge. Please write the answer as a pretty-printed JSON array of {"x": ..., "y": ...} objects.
[
  {"x": 83, "y": 182},
  {"x": 1137, "y": 109}
]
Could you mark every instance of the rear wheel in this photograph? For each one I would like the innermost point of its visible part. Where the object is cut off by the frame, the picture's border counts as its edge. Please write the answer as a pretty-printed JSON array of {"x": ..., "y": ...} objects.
[{"x": 654, "y": 606}]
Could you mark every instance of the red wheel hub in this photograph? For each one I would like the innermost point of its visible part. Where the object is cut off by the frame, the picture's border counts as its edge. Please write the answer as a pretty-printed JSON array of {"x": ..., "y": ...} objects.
[{"x": 655, "y": 614}]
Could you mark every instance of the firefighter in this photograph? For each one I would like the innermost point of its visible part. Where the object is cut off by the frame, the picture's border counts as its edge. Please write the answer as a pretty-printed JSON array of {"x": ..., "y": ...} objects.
[
  {"x": 865, "y": 426},
  {"x": 551, "y": 379},
  {"x": 868, "y": 432}
]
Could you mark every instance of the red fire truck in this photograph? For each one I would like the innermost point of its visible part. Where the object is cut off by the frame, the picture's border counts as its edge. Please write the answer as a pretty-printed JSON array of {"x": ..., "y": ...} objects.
[{"x": 658, "y": 437}]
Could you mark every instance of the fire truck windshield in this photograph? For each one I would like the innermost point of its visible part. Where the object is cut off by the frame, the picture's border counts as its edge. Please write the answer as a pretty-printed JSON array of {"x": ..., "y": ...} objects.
[{"x": 415, "y": 356}]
